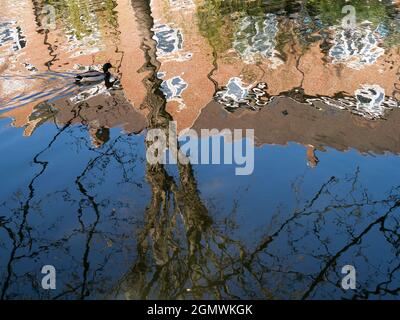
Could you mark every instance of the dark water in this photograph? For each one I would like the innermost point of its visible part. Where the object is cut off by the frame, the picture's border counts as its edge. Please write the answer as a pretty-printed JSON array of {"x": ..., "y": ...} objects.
[{"x": 77, "y": 192}]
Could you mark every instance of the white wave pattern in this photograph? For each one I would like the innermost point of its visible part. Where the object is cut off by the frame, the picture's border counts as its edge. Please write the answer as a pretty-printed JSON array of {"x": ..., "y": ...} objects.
[
  {"x": 11, "y": 37},
  {"x": 371, "y": 101},
  {"x": 255, "y": 38},
  {"x": 181, "y": 4},
  {"x": 235, "y": 91},
  {"x": 90, "y": 92},
  {"x": 170, "y": 43},
  {"x": 235, "y": 94},
  {"x": 357, "y": 47},
  {"x": 173, "y": 89}
]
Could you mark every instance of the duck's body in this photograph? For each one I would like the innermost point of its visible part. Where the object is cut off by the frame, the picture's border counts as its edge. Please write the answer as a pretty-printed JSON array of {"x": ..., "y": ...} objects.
[
  {"x": 94, "y": 76},
  {"x": 90, "y": 76}
]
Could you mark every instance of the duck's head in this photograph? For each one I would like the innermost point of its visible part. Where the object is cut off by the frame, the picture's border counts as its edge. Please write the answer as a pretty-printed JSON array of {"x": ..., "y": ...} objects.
[{"x": 106, "y": 67}]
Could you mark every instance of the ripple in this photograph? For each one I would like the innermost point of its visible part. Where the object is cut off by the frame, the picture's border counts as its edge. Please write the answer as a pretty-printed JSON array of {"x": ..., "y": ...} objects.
[
  {"x": 21, "y": 90},
  {"x": 369, "y": 101},
  {"x": 11, "y": 36},
  {"x": 255, "y": 37}
]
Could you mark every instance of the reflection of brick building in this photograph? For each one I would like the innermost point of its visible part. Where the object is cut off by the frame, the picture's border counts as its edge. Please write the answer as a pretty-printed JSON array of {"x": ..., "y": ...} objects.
[
  {"x": 15, "y": 58},
  {"x": 309, "y": 69},
  {"x": 120, "y": 46},
  {"x": 187, "y": 62},
  {"x": 290, "y": 121},
  {"x": 253, "y": 58},
  {"x": 132, "y": 58},
  {"x": 104, "y": 110},
  {"x": 186, "y": 59}
]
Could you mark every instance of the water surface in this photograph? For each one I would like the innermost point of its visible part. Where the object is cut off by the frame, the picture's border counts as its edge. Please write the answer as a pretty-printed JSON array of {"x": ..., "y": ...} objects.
[{"x": 77, "y": 192}]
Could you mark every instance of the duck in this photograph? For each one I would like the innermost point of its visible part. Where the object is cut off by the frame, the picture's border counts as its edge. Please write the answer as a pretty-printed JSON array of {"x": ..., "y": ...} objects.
[{"x": 92, "y": 76}]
